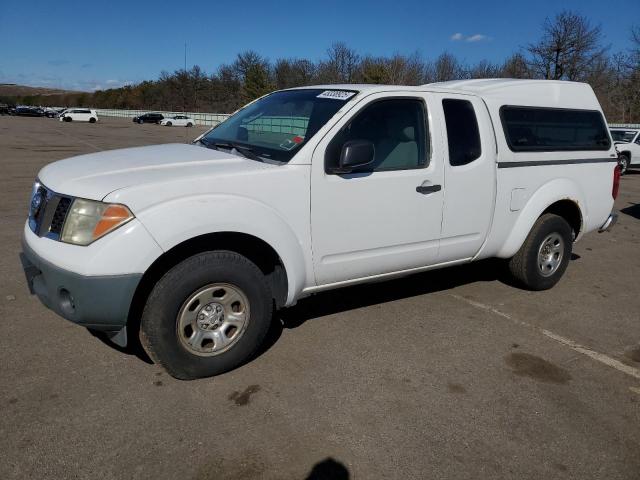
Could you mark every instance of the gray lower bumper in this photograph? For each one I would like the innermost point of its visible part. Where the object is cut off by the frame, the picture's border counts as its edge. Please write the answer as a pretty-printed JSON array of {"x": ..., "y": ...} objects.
[
  {"x": 100, "y": 303},
  {"x": 611, "y": 221}
]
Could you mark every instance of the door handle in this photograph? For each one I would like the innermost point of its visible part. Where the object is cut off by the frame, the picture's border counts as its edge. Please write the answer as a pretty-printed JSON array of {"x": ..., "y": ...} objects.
[{"x": 425, "y": 189}]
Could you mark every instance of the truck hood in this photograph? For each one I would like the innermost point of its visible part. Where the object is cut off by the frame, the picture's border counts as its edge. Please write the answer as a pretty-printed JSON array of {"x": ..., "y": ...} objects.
[{"x": 95, "y": 175}]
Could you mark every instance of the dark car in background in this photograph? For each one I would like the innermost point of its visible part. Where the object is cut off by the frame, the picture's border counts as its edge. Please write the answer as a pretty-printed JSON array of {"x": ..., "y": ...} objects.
[
  {"x": 148, "y": 118},
  {"x": 53, "y": 112},
  {"x": 29, "y": 112}
]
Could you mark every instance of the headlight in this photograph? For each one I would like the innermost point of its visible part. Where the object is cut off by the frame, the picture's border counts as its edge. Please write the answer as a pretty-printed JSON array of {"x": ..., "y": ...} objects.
[{"x": 89, "y": 220}]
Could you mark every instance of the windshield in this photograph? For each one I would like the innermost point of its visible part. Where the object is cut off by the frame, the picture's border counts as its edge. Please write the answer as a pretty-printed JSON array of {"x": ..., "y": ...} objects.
[
  {"x": 623, "y": 135},
  {"x": 276, "y": 126}
]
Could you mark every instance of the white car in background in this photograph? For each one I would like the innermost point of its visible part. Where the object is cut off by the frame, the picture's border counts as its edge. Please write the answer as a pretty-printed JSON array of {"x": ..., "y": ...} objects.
[
  {"x": 178, "y": 121},
  {"x": 627, "y": 141},
  {"x": 79, "y": 115}
]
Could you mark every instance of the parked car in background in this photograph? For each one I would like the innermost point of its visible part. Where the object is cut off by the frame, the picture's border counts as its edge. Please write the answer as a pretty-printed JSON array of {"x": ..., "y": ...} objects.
[
  {"x": 627, "y": 141},
  {"x": 29, "y": 112},
  {"x": 148, "y": 118},
  {"x": 178, "y": 121},
  {"x": 79, "y": 115},
  {"x": 53, "y": 112},
  {"x": 4, "y": 109}
]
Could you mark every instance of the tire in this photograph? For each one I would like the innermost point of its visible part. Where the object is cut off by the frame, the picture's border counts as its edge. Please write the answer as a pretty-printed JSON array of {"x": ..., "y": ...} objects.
[
  {"x": 67, "y": 119},
  {"x": 140, "y": 121},
  {"x": 189, "y": 124},
  {"x": 525, "y": 266},
  {"x": 177, "y": 296},
  {"x": 169, "y": 124},
  {"x": 92, "y": 120},
  {"x": 623, "y": 161}
]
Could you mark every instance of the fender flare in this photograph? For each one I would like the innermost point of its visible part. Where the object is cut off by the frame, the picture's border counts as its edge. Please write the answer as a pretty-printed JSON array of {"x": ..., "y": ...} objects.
[
  {"x": 551, "y": 192},
  {"x": 197, "y": 215}
]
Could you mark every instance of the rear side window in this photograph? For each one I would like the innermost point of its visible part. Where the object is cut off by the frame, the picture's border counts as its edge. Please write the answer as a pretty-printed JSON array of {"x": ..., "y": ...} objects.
[
  {"x": 533, "y": 129},
  {"x": 462, "y": 131}
]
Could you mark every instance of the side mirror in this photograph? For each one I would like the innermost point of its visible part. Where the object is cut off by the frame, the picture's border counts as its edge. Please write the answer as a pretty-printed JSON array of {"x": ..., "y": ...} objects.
[{"x": 355, "y": 154}]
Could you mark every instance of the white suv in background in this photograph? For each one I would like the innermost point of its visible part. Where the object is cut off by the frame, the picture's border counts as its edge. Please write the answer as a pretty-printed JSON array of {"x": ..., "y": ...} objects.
[
  {"x": 627, "y": 141},
  {"x": 79, "y": 115},
  {"x": 178, "y": 121}
]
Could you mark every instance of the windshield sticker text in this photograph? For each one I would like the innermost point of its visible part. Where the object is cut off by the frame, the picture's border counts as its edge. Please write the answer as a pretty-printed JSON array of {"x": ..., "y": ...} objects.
[{"x": 336, "y": 94}]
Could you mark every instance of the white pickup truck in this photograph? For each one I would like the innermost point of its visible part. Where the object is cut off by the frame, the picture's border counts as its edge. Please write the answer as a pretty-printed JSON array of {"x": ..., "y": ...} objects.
[
  {"x": 191, "y": 247},
  {"x": 627, "y": 141}
]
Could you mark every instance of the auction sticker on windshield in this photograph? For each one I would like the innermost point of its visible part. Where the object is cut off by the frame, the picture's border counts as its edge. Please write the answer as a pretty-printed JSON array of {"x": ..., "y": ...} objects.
[{"x": 336, "y": 94}]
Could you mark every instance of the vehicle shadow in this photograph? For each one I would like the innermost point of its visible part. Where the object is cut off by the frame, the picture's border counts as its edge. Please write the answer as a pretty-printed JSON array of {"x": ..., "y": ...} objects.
[
  {"x": 359, "y": 296},
  {"x": 633, "y": 210},
  {"x": 365, "y": 295}
]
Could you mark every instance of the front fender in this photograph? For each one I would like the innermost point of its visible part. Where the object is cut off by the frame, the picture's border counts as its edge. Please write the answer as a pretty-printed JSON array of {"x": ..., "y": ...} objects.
[
  {"x": 173, "y": 222},
  {"x": 545, "y": 196}
]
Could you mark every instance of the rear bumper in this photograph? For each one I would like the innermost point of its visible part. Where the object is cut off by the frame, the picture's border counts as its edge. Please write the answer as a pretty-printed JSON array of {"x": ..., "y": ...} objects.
[
  {"x": 96, "y": 302},
  {"x": 610, "y": 222}
]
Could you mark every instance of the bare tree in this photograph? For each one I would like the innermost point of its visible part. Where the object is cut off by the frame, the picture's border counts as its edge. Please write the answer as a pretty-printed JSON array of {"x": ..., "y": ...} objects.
[
  {"x": 567, "y": 49},
  {"x": 293, "y": 73},
  {"x": 341, "y": 65},
  {"x": 515, "y": 67},
  {"x": 484, "y": 69},
  {"x": 446, "y": 67}
]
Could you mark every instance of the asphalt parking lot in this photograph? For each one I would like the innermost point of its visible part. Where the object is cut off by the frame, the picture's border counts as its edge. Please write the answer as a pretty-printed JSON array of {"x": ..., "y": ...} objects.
[{"x": 449, "y": 374}]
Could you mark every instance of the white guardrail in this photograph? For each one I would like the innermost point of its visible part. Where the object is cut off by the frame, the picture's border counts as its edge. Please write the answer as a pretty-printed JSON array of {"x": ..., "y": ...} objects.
[
  {"x": 212, "y": 119},
  {"x": 208, "y": 119}
]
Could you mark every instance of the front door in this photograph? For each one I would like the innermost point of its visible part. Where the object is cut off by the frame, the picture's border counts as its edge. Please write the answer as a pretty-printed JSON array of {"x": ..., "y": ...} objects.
[{"x": 385, "y": 217}]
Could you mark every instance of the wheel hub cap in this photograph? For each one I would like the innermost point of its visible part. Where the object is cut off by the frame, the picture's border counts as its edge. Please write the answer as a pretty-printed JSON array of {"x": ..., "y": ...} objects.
[
  {"x": 210, "y": 316},
  {"x": 213, "y": 319},
  {"x": 550, "y": 254}
]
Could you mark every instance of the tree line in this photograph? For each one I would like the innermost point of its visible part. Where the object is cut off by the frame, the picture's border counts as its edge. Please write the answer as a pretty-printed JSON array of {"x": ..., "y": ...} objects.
[{"x": 570, "y": 47}]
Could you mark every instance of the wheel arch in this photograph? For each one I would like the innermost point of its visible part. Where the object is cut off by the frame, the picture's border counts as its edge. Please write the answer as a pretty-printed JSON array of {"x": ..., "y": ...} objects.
[
  {"x": 255, "y": 249},
  {"x": 561, "y": 197}
]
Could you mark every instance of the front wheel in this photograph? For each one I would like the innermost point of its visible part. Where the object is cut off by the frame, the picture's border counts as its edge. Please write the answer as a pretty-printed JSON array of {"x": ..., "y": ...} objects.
[
  {"x": 207, "y": 315},
  {"x": 545, "y": 254},
  {"x": 169, "y": 124}
]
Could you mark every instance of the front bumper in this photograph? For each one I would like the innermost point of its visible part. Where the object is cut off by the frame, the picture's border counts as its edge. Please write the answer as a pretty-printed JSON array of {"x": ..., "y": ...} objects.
[
  {"x": 610, "y": 222},
  {"x": 96, "y": 302}
]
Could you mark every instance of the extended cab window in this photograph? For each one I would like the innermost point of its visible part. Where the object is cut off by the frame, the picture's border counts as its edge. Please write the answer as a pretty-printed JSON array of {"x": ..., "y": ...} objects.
[
  {"x": 534, "y": 129},
  {"x": 462, "y": 131},
  {"x": 397, "y": 129}
]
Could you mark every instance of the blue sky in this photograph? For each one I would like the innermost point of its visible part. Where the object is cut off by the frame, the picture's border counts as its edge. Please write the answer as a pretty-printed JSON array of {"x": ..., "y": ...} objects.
[{"x": 86, "y": 45}]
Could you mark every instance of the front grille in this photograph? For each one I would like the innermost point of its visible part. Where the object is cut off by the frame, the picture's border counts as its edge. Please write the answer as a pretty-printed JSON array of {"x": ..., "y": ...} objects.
[
  {"x": 48, "y": 211},
  {"x": 60, "y": 215}
]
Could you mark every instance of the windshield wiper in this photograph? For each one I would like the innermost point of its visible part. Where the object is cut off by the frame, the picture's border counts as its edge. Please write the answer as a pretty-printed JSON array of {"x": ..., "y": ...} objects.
[{"x": 245, "y": 151}]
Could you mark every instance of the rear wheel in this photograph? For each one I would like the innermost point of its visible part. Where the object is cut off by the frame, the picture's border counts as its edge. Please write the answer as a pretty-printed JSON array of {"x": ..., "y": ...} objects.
[
  {"x": 189, "y": 124},
  {"x": 169, "y": 124},
  {"x": 92, "y": 120},
  {"x": 67, "y": 119},
  {"x": 623, "y": 161},
  {"x": 207, "y": 315},
  {"x": 545, "y": 254}
]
